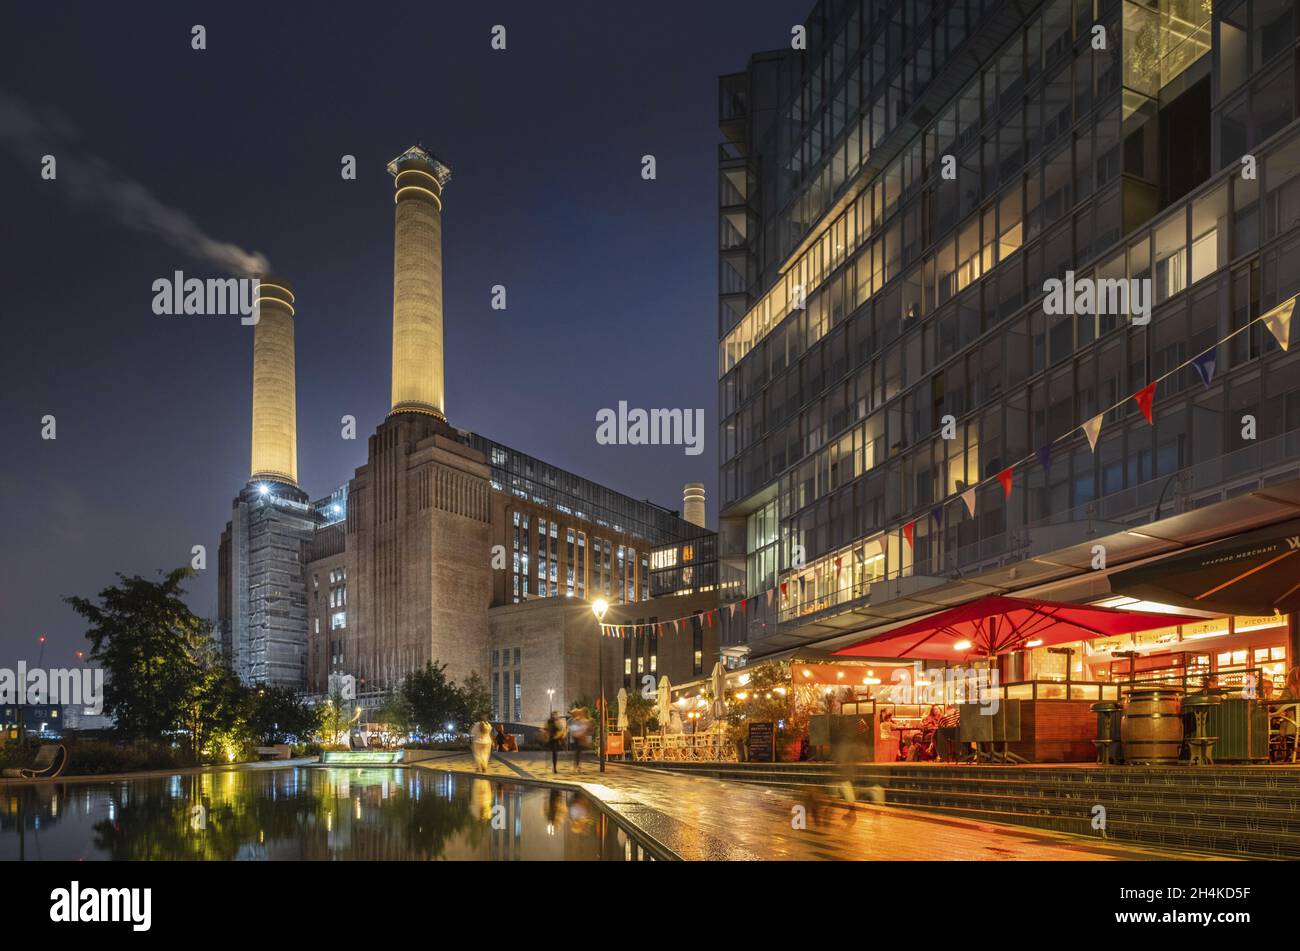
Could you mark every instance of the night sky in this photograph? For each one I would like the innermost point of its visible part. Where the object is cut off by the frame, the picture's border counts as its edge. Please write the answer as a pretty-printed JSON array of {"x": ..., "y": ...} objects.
[{"x": 611, "y": 280}]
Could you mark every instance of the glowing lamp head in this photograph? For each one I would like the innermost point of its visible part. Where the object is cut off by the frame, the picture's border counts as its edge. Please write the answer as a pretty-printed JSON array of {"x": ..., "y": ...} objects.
[
  {"x": 961, "y": 646},
  {"x": 599, "y": 607}
]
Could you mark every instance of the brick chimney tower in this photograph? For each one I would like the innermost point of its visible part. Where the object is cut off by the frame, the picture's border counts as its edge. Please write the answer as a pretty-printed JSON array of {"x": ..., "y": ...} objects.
[{"x": 418, "y": 384}]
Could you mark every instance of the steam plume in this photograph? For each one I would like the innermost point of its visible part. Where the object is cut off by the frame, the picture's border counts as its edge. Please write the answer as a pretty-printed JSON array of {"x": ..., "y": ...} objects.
[{"x": 93, "y": 182}]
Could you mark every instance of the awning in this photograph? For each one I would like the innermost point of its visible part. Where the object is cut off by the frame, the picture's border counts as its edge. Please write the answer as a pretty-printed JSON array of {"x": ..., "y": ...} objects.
[
  {"x": 998, "y": 625},
  {"x": 1253, "y": 573}
]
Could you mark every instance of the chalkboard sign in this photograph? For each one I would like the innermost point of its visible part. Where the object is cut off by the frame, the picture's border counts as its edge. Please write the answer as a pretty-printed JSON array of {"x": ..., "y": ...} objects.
[{"x": 762, "y": 742}]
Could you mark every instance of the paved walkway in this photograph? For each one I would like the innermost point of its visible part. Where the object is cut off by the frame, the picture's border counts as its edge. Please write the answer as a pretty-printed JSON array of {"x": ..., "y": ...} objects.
[{"x": 702, "y": 818}]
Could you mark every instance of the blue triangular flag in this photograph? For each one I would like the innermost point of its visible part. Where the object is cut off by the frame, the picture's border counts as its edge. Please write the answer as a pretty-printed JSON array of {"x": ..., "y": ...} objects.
[
  {"x": 1045, "y": 456},
  {"x": 936, "y": 513},
  {"x": 1205, "y": 364}
]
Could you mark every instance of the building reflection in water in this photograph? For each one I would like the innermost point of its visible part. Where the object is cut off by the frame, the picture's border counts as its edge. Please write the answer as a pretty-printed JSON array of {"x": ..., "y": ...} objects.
[{"x": 306, "y": 813}]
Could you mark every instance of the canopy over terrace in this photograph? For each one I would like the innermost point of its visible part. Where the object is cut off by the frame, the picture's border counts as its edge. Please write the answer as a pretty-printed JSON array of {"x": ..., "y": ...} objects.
[
  {"x": 998, "y": 625},
  {"x": 1252, "y": 573}
]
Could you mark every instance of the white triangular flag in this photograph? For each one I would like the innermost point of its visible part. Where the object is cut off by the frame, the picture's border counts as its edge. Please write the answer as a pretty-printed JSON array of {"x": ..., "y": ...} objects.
[
  {"x": 1278, "y": 321},
  {"x": 969, "y": 498},
  {"x": 1092, "y": 429}
]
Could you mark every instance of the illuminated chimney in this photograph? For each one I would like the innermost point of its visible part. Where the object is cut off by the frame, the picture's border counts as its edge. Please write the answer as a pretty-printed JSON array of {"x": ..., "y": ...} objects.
[
  {"x": 275, "y": 425},
  {"x": 418, "y": 178},
  {"x": 693, "y": 503}
]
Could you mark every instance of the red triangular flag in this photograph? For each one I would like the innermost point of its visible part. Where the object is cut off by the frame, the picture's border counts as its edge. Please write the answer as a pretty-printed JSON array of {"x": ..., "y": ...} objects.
[
  {"x": 908, "y": 530},
  {"x": 744, "y": 606},
  {"x": 838, "y": 566},
  {"x": 1005, "y": 478},
  {"x": 1143, "y": 398},
  {"x": 783, "y": 586}
]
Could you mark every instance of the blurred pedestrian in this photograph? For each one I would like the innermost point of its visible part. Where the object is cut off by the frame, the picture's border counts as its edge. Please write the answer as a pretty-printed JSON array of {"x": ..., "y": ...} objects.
[
  {"x": 580, "y": 730},
  {"x": 555, "y": 731},
  {"x": 480, "y": 744}
]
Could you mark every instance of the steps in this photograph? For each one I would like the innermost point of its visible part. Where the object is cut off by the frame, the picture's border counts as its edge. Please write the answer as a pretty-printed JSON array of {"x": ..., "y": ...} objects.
[{"x": 1238, "y": 811}]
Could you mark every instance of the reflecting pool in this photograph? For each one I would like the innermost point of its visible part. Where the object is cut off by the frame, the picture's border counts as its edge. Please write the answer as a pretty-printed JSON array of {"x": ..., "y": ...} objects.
[{"x": 306, "y": 813}]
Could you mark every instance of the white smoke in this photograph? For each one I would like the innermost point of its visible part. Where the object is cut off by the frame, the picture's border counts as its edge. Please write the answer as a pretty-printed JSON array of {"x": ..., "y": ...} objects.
[{"x": 91, "y": 181}]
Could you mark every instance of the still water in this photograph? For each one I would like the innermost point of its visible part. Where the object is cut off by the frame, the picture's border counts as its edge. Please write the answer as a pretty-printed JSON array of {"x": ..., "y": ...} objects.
[{"x": 306, "y": 813}]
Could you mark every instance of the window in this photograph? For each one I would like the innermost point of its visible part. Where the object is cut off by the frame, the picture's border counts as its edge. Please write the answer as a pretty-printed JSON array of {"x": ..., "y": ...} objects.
[
  {"x": 1171, "y": 257},
  {"x": 1209, "y": 233}
]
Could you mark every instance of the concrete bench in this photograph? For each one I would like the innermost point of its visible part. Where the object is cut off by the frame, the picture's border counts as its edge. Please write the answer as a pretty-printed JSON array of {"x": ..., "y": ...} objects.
[{"x": 278, "y": 751}]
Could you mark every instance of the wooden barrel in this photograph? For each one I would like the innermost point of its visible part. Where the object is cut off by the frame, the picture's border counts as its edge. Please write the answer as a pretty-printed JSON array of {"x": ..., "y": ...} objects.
[{"x": 1152, "y": 727}]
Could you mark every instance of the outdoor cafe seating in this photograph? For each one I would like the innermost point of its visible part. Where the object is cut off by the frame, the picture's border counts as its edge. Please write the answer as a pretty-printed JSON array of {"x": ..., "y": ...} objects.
[{"x": 682, "y": 747}]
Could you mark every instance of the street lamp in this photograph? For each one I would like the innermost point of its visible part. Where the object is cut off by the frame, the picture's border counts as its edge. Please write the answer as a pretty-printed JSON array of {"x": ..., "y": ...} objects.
[{"x": 598, "y": 608}]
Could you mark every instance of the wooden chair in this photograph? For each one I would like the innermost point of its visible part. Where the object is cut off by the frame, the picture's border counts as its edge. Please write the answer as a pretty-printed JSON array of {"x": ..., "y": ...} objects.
[{"x": 1284, "y": 730}]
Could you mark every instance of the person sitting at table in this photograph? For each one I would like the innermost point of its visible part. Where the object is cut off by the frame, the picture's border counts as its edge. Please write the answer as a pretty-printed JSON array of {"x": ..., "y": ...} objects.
[{"x": 1292, "y": 689}]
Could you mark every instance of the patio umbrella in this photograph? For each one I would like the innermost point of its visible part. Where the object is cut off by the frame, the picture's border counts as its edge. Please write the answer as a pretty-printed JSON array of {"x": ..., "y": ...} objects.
[
  {"x": 622, "y": 708},
  {"x": 719, "y": 688},
  {"x": 997, "y": 625},
  {"x": 664, "y": 701}
]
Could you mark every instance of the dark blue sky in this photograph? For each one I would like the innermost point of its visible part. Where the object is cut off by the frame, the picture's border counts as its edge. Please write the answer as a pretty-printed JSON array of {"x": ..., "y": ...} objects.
[{"x": 611, "y": 280}]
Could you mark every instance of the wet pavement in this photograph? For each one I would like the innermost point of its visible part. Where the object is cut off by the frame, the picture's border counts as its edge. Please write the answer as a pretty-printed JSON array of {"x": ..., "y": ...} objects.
[{"x": 702, "y": 818}]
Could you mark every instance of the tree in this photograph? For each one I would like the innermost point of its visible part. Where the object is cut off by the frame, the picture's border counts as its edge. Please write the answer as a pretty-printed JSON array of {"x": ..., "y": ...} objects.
[
  {"x": 336, "y": 718},
  {"x": 640, "y": 712},
  {"x": 280, "y": 715},
  {"x": 214, "y": 711},
  {"x": 153, "y": 650},
  {"x": 432, "y": 698},
  {"x": 395, "y": 713},
  {"x": 476, "y": 700}
]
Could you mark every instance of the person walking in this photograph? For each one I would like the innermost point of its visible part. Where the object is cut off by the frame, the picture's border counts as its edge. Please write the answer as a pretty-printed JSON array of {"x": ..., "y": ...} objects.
[
  {"x": 555, "y": 738},
  {"x": 480, "y": 744},
  {"x": 580, "y": 730}
]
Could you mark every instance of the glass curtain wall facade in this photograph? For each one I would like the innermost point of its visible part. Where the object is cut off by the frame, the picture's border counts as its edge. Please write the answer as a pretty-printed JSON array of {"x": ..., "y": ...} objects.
[{"x": 1103, "y": 137}]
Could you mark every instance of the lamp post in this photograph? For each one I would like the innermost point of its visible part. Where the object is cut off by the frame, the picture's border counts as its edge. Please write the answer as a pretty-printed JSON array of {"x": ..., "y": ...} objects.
[{"x": 598, "y": 608}]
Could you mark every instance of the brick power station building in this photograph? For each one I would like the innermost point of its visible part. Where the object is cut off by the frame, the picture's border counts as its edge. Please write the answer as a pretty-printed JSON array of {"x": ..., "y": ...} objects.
[{"x": 444, "y": 545}]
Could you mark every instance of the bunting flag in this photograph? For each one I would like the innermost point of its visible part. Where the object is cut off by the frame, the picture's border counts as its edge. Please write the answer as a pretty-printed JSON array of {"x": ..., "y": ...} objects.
[
  {"x": 909, "y": 530},
  {"x": 1045, "y": 457},
  {"x": 744, "y": 606},
  {"x": 1005, "y": 478},
  {"x": 769, "y": 597},
  {"x": 936, "y": 513},
  {"x": 803, "y": 583},
  {"x": 1143, "y": 398},
  {"x": 1278, "y": 321},
  {"x": 784, "y": 592},
  {"x": 839, "y": 566},
  {"x": 969, "y": 498},
  {"x": 1092, "y": 429},
  {"x": 1205, "y": 365},
  {"x": 731, "y": 610}
]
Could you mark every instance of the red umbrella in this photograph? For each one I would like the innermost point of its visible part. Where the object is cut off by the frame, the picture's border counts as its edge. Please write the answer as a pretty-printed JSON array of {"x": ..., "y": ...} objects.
[{"x": 997, "y": 625}]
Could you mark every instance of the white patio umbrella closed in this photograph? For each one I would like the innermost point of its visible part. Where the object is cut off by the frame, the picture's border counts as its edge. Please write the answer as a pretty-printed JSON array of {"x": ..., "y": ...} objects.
[
  {"x": 719, "y": 691},
  {"x": 622, "y": 708},
  {"x": 664, "y": 699}
]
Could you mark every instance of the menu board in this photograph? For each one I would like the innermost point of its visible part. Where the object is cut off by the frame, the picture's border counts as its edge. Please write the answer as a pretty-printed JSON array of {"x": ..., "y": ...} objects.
[{"x": 762, "y": 742}]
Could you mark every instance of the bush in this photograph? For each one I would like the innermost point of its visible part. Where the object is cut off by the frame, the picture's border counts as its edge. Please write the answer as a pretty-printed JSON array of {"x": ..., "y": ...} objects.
[{"x": 97, "y": 757}]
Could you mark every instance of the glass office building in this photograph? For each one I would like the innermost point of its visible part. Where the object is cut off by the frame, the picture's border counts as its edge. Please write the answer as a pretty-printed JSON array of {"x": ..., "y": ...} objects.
[{"x": 891, "y": 201}]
